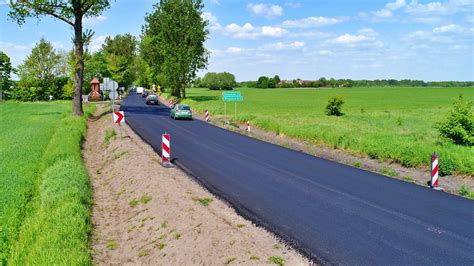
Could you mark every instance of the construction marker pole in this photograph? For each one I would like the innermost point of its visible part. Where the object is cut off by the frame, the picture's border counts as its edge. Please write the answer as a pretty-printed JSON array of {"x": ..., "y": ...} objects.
[
  {"x": 434, "y": 171},
  {"x": 165, "y": 151},
  {"x": 206, "y": 115},
  {"x": 248, "y": 126}
]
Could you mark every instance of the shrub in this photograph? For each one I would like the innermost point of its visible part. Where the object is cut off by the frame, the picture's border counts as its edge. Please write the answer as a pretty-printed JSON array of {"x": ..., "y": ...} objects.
[
  {"x": 446, "y": 166},
  {"x": 464, "y": 190},
  {"x": 458, "y": 124},
  {"x": 334, "y": 106}
]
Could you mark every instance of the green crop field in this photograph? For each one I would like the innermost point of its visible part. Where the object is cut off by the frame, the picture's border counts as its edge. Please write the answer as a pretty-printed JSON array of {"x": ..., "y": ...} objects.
[
  {"x": 389, "y": 124},
  {"x": 44, "y": 189}
]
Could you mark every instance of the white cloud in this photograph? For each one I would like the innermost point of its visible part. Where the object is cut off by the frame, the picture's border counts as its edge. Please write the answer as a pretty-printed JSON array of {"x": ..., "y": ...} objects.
[
  {"x": 358, "y": 40},
  {"x": 296, "y": 45},
  {"x": 349, "y": 39},
  {"x": 426, "y": 36},
  {"x": 389, "y": 7},
  {"x": 445, "y": 8},
  {"x": 273, "y": 31},
  {"x": 396, "y": 5},
  {"x": 216, "y": 2},
  {"x": 96, "y": 43},
  {"x": 16, "y": 52},
  {"x": 213, "y": 22},
  {"x": 311, "y": 34},
  {"x": 293, "y": 4},
  {"x": 235, "y": 50},
  {"x": 268, "y": 11},
  {"x": 448, "y": 34},
  {"x": 451, "y": 28},
  {"x": 311, "y": 22},
  {"x": 94, "y": 20},
  {"x": 383, "y": 13},
  {"x": 367, "y": 32},
  {"x": 427, "y": 13},
  {"x": 248, "y": 31}
]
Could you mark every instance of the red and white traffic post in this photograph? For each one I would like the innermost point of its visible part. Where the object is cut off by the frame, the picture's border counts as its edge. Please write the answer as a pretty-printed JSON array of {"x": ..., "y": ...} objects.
[
  {"x": 165, "y": 151},
  {"x": 206, "y": 115},
  {"x": 434, "y": 172},
  {"x": 248, "y": 126},
  {"x": 119, "y": 118}
]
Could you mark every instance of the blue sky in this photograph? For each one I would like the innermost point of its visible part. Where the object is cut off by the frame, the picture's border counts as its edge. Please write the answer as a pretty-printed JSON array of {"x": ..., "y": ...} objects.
[{"x": 429, "y": 40}]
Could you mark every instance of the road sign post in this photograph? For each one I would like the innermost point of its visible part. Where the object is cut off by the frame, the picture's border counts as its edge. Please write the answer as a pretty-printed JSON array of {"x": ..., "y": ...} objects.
[
  {"x": 231, "y": 96},
  {"x": 119, "y": 118}
]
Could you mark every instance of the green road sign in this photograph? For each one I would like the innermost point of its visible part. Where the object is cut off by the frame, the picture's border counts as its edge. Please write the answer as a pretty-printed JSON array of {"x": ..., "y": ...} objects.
[
  {"x": 232, "y": 98},
  {"x": 231, "y": 94}
]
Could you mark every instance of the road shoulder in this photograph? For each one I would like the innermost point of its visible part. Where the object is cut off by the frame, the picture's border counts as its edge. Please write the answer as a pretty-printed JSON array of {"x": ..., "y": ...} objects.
[{"x": 146, "y": 214}]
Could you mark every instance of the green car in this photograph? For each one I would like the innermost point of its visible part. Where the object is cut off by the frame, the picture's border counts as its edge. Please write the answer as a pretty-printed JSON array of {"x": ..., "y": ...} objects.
[{"x": 181, "y": 111}]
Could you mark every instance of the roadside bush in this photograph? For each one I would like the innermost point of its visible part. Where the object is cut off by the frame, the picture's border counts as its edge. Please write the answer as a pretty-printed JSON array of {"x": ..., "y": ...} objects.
[
  {"x": 334, "y": 106},
  {"x": 458, "y": 124},
  {"x": 446, "y": 166}
]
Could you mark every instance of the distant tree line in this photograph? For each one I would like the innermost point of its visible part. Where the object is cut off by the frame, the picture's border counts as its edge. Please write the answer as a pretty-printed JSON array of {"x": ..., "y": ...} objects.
[{"x": 275, "y": 82}]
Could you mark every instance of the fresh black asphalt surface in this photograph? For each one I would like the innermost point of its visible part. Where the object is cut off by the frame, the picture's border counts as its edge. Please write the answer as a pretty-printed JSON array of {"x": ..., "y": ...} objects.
[{"x": 332, "y": 212}]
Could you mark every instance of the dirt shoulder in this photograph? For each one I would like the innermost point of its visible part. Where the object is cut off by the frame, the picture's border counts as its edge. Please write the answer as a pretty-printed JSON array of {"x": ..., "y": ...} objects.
[
  {"x": 146, "y": 214},
  {"x": 418, "y": 176}
]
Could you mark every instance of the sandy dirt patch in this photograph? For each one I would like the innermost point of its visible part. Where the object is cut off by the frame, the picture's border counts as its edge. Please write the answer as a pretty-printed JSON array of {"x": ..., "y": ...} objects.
[{"x": 149, "y": 215}]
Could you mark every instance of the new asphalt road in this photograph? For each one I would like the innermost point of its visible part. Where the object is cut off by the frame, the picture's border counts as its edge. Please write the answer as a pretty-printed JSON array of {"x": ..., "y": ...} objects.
[{"x": 334, "y": 213}]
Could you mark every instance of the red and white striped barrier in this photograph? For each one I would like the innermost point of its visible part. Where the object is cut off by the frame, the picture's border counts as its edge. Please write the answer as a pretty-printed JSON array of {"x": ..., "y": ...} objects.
[
  {"x": 434, "y": 171},
  {"x": 206, "y": 115},
  {"x": 248, "y": 126},
  {"x": 165, "y": 150}
]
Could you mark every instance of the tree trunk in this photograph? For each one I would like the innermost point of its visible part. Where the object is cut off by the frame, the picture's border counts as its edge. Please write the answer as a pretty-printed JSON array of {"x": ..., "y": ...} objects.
[
  {"x": 183, "y": 92},
  {"x": 176, "y": 92},
  {"x": 79, "y": 66}
]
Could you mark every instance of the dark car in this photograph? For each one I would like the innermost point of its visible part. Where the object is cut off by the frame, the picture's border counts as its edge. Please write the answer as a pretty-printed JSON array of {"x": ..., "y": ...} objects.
[
  {"x": 152, "y": 99},
  {"x": 145, "y": 94}
]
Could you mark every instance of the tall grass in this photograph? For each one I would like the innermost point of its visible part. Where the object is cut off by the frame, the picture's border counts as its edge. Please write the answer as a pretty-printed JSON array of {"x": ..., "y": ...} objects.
[
  {"x": 389, "y": 124},
  {"x": 45, "y": 195}
]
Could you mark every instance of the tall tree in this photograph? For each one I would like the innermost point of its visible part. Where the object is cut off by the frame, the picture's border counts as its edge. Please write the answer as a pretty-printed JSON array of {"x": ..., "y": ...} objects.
[
  {"x": 5, "y": 72},
  {"x": 71, "y": 12},
  {"x": 120, "y": 53},
  {"x": 173, "y": 42},
  {"x": 42, "y": 65},
  {"x": 44, "y": 72}
]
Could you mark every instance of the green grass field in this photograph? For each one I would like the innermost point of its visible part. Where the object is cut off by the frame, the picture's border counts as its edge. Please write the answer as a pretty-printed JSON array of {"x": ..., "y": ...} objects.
[
  {"x": 44, "y": 189},
  {"x": 389, "y": 124}
]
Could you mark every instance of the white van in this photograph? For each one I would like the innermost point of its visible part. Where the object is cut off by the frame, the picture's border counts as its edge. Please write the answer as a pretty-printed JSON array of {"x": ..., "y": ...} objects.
[{"x": 139, "y": 90}]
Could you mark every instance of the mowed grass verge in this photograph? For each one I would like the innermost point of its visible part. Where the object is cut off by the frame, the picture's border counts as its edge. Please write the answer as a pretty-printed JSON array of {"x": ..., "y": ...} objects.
[
  {"x": 45, "y": 195},
  {"x": 389, "y": 124}
]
